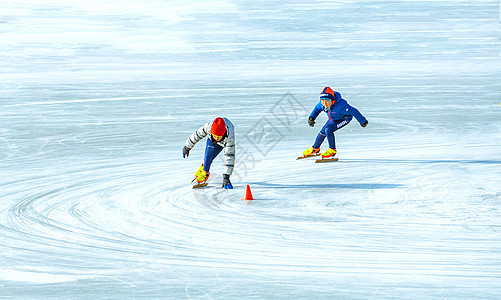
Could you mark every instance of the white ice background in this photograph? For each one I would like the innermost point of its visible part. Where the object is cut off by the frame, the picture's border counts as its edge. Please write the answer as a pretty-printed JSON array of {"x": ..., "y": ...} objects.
[{"x": 98, "y": 97}]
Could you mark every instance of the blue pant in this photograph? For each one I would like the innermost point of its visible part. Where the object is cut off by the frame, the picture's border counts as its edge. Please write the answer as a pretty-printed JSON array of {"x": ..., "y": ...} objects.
[
  {"x": 211, "y": 151},
  {"x": 328, "y": 131}
]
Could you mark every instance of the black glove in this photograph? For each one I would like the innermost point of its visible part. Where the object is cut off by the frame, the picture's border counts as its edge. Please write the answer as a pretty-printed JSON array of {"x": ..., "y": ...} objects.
[
  {"x": 365, "y": 124},
  {"x": 311, "y": 121},
  {"x": 226, "y": 182},
  {"x": 186, "y": 152}
]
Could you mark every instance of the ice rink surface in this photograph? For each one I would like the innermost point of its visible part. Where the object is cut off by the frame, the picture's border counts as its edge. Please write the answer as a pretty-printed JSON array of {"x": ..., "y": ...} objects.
[{"x": 98, "y": 97}]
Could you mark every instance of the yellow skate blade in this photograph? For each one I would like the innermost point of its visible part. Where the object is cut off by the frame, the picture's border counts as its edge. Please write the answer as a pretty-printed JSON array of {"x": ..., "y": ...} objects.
[
  {"x": 326, "y": 160},
  {"x": 200, "y": 185},
  {"x": 313, "y": 155}
]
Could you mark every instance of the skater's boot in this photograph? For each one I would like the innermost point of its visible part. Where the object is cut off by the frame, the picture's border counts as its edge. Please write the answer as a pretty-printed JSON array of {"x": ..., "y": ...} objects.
[
  {"x": 200, "y": 175},
  {"x": 329, "y": 153},
  {"x": 311, "y": 151},
  {"x": 199, "y": 171}
]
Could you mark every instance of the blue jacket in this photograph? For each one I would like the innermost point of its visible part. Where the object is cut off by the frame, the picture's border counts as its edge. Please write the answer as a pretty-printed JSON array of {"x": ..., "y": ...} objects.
[{"x": 339, "y": 110}]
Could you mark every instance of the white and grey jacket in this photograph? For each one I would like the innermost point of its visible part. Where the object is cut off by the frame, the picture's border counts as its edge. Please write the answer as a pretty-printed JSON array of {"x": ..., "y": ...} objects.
[{"x": 228, "y": 143}]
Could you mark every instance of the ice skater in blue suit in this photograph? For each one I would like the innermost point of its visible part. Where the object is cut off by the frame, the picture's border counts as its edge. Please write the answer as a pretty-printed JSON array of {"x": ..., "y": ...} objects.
[{"x": 339, "y": 112}]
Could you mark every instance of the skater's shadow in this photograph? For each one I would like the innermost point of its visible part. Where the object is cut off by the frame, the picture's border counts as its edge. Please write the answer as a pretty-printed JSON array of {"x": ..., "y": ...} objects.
[
  {"x": 359, "y": 186},
  {"x": 422, "y": 161}
]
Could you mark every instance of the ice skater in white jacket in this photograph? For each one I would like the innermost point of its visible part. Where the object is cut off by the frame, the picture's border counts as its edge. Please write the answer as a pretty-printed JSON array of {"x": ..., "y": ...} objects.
[{"x": 221, "y": 136}]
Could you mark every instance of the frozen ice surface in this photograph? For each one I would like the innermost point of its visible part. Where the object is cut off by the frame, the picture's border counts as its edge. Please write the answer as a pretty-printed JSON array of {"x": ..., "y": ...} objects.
[{"x": 98, "y": 97}]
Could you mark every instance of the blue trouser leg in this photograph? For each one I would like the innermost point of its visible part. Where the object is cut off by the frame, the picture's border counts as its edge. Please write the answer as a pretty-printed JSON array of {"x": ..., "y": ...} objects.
[
  {"x": 319, "y": 140},
  {"x": 328, "y": 131},
  {"x": 211, "y": 151}
]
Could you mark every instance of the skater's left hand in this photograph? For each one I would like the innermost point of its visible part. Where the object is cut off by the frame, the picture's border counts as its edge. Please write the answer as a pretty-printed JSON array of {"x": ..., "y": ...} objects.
[
  {"x": 226, "y": 182},
  {"x": 365, "y": 124}
]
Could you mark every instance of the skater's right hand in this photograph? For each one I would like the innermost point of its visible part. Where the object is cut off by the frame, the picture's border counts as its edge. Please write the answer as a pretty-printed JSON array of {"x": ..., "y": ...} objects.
[
  {"x": 365, "y": 124},
  {"x": 226, "y": 182},
  {"x": 311, "y": 121},
  {"x": 186, "y": 152}
]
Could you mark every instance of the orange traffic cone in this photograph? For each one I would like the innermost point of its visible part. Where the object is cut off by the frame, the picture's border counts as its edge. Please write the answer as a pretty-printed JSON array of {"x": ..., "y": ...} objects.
[{"x": 248, "y": 193}]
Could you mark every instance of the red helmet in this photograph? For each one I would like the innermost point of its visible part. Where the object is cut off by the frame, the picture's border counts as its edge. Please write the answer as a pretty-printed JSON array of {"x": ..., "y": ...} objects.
[
  {"x": 218, "y": 127},
  {"x": 328, "y": 94}
]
